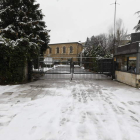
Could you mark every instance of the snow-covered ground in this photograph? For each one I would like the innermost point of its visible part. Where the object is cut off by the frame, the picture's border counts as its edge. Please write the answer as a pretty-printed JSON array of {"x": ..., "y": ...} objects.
[
  {"x": 70, "y": 110},
  {"x": 44, "y": 69}
]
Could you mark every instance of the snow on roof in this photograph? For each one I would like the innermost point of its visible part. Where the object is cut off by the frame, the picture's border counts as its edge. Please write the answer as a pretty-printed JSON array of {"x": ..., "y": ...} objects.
[{"x": 65, "y": 43}]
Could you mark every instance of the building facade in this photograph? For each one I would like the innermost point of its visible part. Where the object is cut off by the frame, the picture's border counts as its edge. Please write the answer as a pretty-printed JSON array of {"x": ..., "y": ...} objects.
[
  {"x": 64, "y": 50},
  {"x": 127, "y": 59}
]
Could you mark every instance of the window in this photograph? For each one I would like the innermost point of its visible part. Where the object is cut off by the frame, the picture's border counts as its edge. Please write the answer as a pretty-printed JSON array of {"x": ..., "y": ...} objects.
[
  {"x": 132, "y": 64},
  {"x": 122, "y": 63},
  {"x": 57, "y": 50},
  {"x": 71, "y": 49},
  {"x": 50, "y": 50},
  {"x": 126, "y": 63},
  {"x": 64, "y": 49}
]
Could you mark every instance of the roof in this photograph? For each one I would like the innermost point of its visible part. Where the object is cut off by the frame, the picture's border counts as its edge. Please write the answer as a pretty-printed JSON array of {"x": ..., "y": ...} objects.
[
  {"x": 124, "y": 42},
  {"x": 65, "y": 43},
  {"x": 130, "y": 48}
]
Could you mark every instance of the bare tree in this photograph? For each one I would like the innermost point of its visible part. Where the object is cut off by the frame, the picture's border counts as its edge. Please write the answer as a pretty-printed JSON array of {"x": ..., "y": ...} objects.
[
  {"x": 121, "y": 33},
  {"x": 110, "y": 37},
  {"x": 102, "y": 40},
  {"x": 103, "y": 44},
  {"x": 121, "y": 37}
]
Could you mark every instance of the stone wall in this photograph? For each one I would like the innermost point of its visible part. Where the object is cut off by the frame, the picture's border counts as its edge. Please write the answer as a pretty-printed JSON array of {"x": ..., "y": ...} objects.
[{"x": 128, "y": 78}]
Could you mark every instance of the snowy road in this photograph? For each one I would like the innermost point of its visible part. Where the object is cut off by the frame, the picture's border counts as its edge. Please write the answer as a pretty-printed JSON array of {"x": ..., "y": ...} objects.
[{"x": 70, "y": 110}]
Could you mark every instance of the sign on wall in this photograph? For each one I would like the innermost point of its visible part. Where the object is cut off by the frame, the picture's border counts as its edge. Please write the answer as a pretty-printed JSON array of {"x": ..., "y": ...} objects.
[{"x": 132, "y": 58}]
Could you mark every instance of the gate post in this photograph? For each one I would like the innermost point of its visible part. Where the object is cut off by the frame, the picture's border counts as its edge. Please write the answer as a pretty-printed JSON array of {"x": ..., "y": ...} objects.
[
  {"x": 113, "y": 69},
  {"x": 72, "y": 68}
]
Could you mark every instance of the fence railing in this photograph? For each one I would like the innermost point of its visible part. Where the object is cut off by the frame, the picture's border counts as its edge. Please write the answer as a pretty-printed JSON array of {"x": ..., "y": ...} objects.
[{"x": 75, "y": 65}]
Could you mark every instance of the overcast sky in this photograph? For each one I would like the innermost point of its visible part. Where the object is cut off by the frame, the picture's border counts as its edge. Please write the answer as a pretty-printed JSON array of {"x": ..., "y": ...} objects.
[{"x": 75, "y": 20}]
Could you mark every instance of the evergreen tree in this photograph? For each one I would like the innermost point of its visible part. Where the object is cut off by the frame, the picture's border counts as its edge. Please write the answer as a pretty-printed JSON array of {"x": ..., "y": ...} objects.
[
  {"x": 96, "y": 46},
  {"x": 87, "y": 44},
  {"x": 23, "y": 19},
  {"x": 137, "y": 27},
  {"x": 25, "y": 36}
]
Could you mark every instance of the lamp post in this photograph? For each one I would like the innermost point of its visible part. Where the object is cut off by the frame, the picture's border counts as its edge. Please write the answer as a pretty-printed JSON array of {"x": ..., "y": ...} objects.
[
  {"x": 114, "y": 21},
  {"x": 114, "y": 25}
]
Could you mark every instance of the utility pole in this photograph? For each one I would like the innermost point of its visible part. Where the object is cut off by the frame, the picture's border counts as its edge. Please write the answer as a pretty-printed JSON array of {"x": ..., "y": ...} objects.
[{"x": 115, "y": 24}]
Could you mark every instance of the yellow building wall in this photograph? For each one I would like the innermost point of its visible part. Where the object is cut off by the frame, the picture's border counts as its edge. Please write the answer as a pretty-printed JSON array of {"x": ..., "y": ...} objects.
[{"x": 77, "y": 48}]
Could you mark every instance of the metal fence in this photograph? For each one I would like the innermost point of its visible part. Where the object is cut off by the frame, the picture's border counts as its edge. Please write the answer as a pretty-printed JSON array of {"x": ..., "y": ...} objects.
[{"x": 74, "y": 66}]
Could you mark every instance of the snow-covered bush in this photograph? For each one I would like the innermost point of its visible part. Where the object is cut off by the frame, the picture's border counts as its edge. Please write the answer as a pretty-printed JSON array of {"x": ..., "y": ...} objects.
[{"x": 14, "y": 57}]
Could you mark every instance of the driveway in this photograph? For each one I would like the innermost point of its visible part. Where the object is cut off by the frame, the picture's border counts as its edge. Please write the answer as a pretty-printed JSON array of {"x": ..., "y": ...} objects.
[{"x": 70, "y": 110}]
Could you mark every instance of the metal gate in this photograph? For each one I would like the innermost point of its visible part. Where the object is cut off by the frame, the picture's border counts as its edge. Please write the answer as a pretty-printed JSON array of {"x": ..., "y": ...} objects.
[{"x": 75, "y": 68}]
